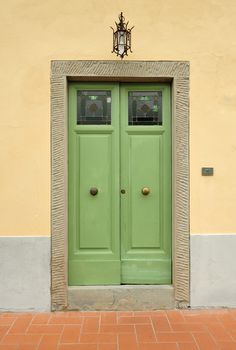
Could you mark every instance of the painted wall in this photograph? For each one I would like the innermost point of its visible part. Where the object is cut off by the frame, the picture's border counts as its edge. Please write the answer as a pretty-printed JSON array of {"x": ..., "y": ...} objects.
[{"x": 32, "y": 33}]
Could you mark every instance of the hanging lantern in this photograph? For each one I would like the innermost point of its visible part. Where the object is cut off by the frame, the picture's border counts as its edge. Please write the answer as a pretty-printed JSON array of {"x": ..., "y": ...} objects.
[{"x": 121, "y": 38}]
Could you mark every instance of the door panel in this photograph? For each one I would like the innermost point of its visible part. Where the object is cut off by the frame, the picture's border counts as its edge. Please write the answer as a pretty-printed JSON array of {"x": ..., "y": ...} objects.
[
  {"x": 144, "y": 172},
  {"x": 94, "y": 169},
  {"x": 94, "y": 241},
  {"x": 145, "y": 162}
]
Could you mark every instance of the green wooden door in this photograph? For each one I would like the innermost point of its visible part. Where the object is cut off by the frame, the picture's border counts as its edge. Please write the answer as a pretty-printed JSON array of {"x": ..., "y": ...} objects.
[{"x": 119, "y": 184}]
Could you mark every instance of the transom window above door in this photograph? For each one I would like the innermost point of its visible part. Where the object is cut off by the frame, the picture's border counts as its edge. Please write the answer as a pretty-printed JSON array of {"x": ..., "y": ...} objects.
[{"x": 94, "y": 107}]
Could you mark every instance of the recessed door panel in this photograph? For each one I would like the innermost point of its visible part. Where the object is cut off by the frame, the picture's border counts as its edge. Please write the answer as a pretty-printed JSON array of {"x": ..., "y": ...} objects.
[
  {"x": 94, "y": 210},
  {"x": 144, "y": 207}
]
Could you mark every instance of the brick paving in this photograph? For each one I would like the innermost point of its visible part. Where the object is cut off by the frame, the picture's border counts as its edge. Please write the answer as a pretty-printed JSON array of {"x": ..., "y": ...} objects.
[{"x": 155, "y": 330}]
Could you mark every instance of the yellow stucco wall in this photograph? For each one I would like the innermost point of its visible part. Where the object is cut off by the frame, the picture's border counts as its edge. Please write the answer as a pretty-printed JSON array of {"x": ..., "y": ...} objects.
[{"x": 33, "y": 32}]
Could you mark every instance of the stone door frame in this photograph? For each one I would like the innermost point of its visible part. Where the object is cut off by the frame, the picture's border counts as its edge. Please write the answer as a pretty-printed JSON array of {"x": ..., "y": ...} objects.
[{"x": 177, "y": 74}]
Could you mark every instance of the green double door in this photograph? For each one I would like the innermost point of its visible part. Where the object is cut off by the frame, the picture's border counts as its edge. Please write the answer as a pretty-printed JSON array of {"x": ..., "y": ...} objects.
[{"x": 119, "y": 184}]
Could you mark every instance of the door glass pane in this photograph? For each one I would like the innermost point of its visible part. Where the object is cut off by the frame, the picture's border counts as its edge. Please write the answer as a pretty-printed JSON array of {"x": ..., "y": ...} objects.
[
  {"x": 145, "y": 108},
  {"x": 93, "y": 107}
]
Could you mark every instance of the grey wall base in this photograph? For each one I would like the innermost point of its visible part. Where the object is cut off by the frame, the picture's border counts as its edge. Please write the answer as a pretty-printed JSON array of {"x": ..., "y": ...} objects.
[
  {"x": 24, "y": 273},
  {"x": 124, "y": 297},
  {"x": 213, "y": 270},
  {"x": 25, "y": 279}
]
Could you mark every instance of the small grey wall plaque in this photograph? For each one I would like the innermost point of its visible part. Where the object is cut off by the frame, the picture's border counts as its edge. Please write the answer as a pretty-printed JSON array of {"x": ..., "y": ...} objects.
[{"x": 207, "y": 171}]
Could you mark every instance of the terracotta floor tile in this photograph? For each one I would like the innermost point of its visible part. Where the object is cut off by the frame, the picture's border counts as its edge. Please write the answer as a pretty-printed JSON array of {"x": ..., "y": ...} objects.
[
  {"x": 125, "y": 313},
  {"x": 49, "y": 341},
  {"x": 7, "y": 320},
  {"x": 175, "y": 337},
  {"x": 90, "y": 324},
  {"x": 127, "y": 341},
  {"x": 218, "y": 311},
  {"x": 77, "y": 347},
  {"x": 159, "y": 316},
  {"x": 225, "y": 317},
  {"x": 98, "y": 338},
  {"x": 119, "y": 328},
  {"x": 3, "y": 331},
  {"x": 188, "y": 346},
  {"x": 138, "y": 330},
  {"x": 20, "y": 325},
  {"x": 219, "y": 332},
  {"x": 156, "y": 313},
  {"x": 109, "y": 317},
  {"x": 188, "y": 327},
  {"x": 65, "y": 320},
  {"x": 12, "y": 339},
  {"x": 107, "y": 347},
  {"x": 134, "y": 320},
  {"x": 131, "y": 346},
  {"x": 45, "y": 329},
  {"x": 185, "y": 312},
  {"x": 158, "y": 346},
  {"x": 88, "y": 313},
  {"x": 205, "y": 341},
  {"x": 201, "y": 318},
  {"x": 7, "y": 314},
  {"x": 41, "y": 318},
  {"x": 230, "y": 325},
  {"x": 71, "y": 313},
  {"x": 23, "y": 314},
  {"x": 175, "y": 316},
  {"x": 145, "y": 333},
  {"x": 227, "y": 345},
  {"x": 233, "y": 335},
  {"x": 232, "y": 312},
  {"x": 3, "y": 328},
  {"x": 70, "y": 334},
  {"x": 143, "y": 313},
  {"x": 161, "y": 324},
  {"x": 59, "y": 314},
  {"x": 27, "y": 347}
]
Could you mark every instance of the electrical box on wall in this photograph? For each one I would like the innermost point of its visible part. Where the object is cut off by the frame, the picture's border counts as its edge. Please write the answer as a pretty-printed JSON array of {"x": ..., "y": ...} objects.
[{"x": 207, "y": 171}]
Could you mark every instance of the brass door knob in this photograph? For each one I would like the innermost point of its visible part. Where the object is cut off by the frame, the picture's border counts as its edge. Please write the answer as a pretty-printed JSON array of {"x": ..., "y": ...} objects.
[
  {"x": 145, "y": 191},
  {"x": 93, "y": 191}
]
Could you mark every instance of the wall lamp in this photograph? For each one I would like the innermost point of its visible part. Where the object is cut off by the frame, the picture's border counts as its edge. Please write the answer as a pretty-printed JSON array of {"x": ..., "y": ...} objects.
[{"x": 121, "y": 37}]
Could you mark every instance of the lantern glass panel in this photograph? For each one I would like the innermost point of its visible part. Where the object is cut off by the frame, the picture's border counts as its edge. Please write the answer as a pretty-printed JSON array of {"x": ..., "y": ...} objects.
[{"x": 121, "y": 42}]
